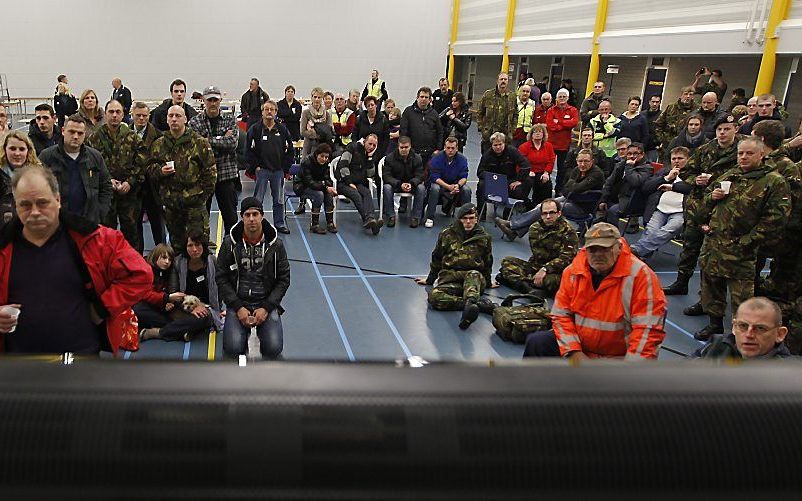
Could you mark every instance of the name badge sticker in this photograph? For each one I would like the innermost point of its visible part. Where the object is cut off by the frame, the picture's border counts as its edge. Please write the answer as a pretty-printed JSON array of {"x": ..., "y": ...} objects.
[
  {"x": 200, "y": 279},
  {"x": 233, "y": 267}
]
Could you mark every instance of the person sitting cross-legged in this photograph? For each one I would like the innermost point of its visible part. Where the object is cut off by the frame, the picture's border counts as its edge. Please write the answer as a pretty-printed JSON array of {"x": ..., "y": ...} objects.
[
  {"x": 554, "y": 244},
  {"x": 448, "y": 174},
  {"x": 460, "y": 270}
]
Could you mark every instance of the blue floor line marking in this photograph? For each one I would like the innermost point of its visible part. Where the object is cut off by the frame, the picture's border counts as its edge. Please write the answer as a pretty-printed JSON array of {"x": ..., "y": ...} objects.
[
  {"x": 376, "y": 299},
  {"x": 187, "y": 346},
  {"x": 672, "y": 324},
  {"x": 373, "y": 276},
  {"x": 325, "y": 290},
  {"x": 127, "y": 355}
]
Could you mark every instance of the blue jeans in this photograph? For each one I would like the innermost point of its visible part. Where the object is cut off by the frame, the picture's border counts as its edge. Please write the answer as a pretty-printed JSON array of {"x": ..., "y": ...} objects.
[
  {"x": 661, "y": 229},
  {"x": 276, "y": 180},
  {"x": 417, "y": 205},
  {"x": 437, "y": 196},
  {"x": 271, "y": 336}
]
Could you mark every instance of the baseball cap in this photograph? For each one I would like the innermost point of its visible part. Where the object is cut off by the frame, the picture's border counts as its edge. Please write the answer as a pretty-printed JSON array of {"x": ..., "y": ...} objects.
[
  {"x": 212, "y": 91},
  {"x": 602, "y": 234}
]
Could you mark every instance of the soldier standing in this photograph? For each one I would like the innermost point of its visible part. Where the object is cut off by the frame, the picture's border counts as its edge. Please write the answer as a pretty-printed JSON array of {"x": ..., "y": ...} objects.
[
  {"x": 706, "y": 165},
  {"x": 498, "y": 111},
  {"x": 669, "y": 123},
  {"x": 125, "y": 157},
  {"x": 744, "y": 207},
  {"x": 460, "y": 270},
  {"x": 184, "y": 164},
  {"x": 554, "y": 244}
]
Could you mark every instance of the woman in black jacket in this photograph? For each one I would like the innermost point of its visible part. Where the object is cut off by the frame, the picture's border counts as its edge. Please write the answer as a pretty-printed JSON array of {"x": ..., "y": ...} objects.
[
  {"x": 457, "y": 119},
  {"x": 316, "y": 184}
]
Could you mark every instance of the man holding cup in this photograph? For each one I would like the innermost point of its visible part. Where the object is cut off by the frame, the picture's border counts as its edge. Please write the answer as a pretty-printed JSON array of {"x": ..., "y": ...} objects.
[
  {"x": 742, "y": 209},
  {"x": 706, "y": 164}
]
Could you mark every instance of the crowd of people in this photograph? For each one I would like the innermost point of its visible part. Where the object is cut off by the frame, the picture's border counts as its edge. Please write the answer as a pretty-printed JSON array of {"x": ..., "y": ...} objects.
[{"x": 719, "y": 179}]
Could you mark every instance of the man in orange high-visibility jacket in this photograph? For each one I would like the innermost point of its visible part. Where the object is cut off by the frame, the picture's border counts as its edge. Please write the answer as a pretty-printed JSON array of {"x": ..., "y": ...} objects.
[{"x": 610, "y": 304}]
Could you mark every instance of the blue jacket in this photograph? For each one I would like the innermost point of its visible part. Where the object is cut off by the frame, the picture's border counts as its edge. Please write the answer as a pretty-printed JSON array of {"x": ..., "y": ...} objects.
[{"x": 439, "y": 167}]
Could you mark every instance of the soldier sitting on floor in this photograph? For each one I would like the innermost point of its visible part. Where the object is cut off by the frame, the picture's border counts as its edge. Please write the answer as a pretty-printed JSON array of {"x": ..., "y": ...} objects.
[
  {"x": 461, "y": 263},
  {"x": 554, "y": 244}
]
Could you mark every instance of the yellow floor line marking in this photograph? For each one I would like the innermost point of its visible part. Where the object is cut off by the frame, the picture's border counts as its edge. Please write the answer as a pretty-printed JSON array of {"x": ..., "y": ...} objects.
[{"x": 218, "y": 239}]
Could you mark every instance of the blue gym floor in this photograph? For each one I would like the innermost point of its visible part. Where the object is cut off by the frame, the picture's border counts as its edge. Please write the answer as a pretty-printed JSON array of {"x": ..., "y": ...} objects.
[{"x": 353, "y": 298}]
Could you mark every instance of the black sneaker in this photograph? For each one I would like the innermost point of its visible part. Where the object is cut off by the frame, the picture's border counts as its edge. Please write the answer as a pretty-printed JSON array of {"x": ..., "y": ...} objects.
[
  {"x": 414, "y": 223},
  {"x": 469, "y": 314},
  {"x": 283, "y": 229},
  {"x": 300, "y": 210},
  {"x": 694, "y": 310},
  {"x": 707, "y": 331},
  {"x": 391, "y": 222},
  {"x": 376, "y": 226}
]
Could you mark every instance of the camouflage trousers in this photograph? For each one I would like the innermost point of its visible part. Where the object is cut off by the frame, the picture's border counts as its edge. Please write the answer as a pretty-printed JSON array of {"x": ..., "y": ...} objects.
[
  {"x": 714, "y": 293},
  {"x": 515, "y": 269},
  {"x": 183, "y": 220},
  {"x": 127, "y": 209},
  {"x": 692, "y": 239},
  {"x": 452, "y": 288}
]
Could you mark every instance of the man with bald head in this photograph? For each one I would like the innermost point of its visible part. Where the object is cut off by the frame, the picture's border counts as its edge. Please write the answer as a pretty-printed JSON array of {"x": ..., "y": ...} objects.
[
  {"x": 183, "y": 164},
  {"x": 122, "y": 95},
  {"x": 711, "y": 112},
  {"x": 546, "y": 101}
]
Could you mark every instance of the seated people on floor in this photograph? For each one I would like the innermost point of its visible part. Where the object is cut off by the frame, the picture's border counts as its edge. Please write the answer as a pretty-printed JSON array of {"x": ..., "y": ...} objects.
[
  {"x": 609, "y": 305},
  {"x": 540, "y": 154},
  {"x": 663, "y": 213},
  {"x": 161, "y": 313},
  {"x": 59, "y": 269},
  {"x": 403, "y": 173},
  {"x": 554, "y": 244},
  {"x": 583, "y": 181},
  {"x": 623, "y": 185},
  {"x": 448, "y": 177},
  {"x": 253, "y": 275},
  {"x": 355, "y": 169},
  {"x": 316, "y": 185},
  {"x": 501, "y": 158},
  {"x": 460, "y": 270},
  {"x": 757, "y": 333}
]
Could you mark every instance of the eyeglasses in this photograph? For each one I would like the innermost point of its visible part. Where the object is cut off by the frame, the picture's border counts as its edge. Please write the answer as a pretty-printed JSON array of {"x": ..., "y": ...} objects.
[
  {"x": 759, "y": 329},
  {"x": 550, "y": 212}
]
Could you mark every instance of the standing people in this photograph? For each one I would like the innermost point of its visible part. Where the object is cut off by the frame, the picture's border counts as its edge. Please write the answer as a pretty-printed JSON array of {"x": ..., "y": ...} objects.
[
  {"x": 525, "y": 114},
  {"x": 91, "y": 111},
  {"x": 251, "y": 104},
  {"x": 151, "y": 202},
  {"x": 178, "y": 93},
  {"x": 634, "y": 125},
  {"x": 497, "y": 111},
  {"x": 376, "y": 88},
  {"x": 344, "y": 121},
  {"x": 16, "y": 151},
  {"x": 560, "y": 121},
  {"x": 43, "y": 130},
  {"x": 316, "y": 124},
  {"x": 606, "y": 128},
  {"x": 441, "y": 98},
  {"x": 372, "y": 121},
  {"x": 671, "y": 120},
  {"x": 122, "y": 95},
  {"x": 652, "y": 114},
  {"x": 64, "y": 102},
  {"x": 421, "y": 124},
  {"x": 457, "y": 120},
  {"x": 590, "y": 106},
  {"x": 289, "y": 112}
]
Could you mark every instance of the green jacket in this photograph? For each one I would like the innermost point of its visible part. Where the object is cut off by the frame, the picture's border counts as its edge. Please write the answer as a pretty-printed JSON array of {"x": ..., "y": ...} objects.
[
  {"x": 792, "y": 173},
  {"x": 125, "y": 155},
  {"x": 461, "y": 251},
  {"x": 710, "y": 158},
  {"x": 669, "y": 123},
  {"x": 195, "y": 169},
  {"x": 553, "y": 247},
  {"x": 498, "y": 113},
  {"x": 758, "y": 204}
]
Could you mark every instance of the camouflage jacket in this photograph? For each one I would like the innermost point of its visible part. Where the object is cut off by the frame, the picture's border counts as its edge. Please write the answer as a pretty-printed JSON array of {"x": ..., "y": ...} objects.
[
  {"x": 553, "y": 247},
  {"x": 758, "y": 205},
  {"x": 669, "y": 123},
  {"x": 195, "y": 170},
  {"x": 456, "y": 250},
  {"x": 497, "y": 113},
  {"x": 792, "y": 173},
  {"x": 710, "y": 158},
  {"x": 124, "y": 153}
]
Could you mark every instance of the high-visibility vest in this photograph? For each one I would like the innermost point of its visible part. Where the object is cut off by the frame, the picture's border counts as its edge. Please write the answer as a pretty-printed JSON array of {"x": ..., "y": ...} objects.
[
  {"x": 337, "y": 119},
  {"x": 525, "y": 114},
  {"x": 375, "y": 89}
]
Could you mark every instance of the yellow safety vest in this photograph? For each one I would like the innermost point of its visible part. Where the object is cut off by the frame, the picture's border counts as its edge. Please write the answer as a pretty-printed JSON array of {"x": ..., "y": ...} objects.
[
  {"x": 375, "y": 89},
  {"x": 525, "y": 114},
  {"x": 341, "y": 120}
]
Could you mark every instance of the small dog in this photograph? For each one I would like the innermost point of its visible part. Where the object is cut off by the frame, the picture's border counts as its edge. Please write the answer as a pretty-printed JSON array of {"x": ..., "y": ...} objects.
[{"x": 190, "y": 303}]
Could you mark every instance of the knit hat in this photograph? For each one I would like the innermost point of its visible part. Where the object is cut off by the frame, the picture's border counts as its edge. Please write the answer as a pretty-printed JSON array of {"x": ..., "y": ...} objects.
[
  {"x": 250, "y": 203},
  {"x": 466, "y": 209}
]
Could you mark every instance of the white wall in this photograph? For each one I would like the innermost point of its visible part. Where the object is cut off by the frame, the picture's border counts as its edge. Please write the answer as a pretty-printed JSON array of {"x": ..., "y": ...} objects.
[{"x": 148, "y": 43}]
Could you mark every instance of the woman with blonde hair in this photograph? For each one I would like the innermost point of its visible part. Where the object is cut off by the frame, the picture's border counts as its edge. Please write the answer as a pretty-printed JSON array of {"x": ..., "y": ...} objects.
[
  {"x": 17, "y": 152},
  {"x": 311, "y": 117},
  {"x": 91, "y": 111}
]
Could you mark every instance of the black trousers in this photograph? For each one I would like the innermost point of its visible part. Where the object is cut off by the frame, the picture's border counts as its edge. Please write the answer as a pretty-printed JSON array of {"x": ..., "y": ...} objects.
[
  {"x": 226, "y": 193},
  {"x": 562, "y": 175},
  {"x": 541, "y": 344},
  {"x": 155, "y": 212},
  {"x": 172, "y": 325}
]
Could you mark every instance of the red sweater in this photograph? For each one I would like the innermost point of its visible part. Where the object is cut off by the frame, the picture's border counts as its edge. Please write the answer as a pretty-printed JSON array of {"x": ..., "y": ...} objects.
[
  {"x": 541, "y": 160},
  {"x": 560, "y": 122}
]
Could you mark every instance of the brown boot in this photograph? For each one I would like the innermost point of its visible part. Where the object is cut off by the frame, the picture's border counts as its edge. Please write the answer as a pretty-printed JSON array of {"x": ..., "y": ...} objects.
[
  {"x": 330, "y": 226},
  {"x": 315, "y": 226},
  {"x": 151, "y": 333}
]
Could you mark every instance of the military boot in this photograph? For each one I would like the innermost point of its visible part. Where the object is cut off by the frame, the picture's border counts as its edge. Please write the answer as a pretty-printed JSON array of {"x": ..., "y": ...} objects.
[
  {"x": 716, "y": 326},
  {"x": 694, "y": 310},
  {"x": 315, "y": 226},
  {"x": 679, "y": 287},
  {"x": 330, "y": 226},
  {"x": 469, "y": 314},
  {"x": 485, "y": 305}
]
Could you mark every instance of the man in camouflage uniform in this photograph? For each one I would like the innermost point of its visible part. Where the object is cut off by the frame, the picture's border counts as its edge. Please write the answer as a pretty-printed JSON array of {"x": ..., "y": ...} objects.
[
  {"x": 460, "y": 270},
  {"x": 126, "y": 158},
  {"x": 670, "y": 122},
  {"x": 783, "y": 283},
  {"x": 498, "y": 111},
  {"x": 151, "y": 203},
  {"x": 741, "y": 218},
  {"x": 554, "y": 244},
  {"x": 707, "y": 163},
  {"x": 187, "y": 173}
]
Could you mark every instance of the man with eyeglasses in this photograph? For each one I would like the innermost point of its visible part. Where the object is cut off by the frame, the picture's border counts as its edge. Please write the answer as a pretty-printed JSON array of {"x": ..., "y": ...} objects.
[
  {"x": 757, "y": 333},
  {"x": 43, "y": 130},
  {"x": 554, "y": 244},
  {"x": 610, "y": 305}
]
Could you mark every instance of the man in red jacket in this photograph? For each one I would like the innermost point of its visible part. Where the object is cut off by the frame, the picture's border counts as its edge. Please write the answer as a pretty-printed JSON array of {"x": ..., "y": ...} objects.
[
  {"x": 560, "y": 120},
  {"x": 610, "y": 304},
  {"x": 65, "y": 282}
]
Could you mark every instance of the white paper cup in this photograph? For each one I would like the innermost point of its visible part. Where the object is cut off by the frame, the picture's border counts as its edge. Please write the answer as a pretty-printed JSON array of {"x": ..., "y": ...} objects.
[
  {"x": 10, "y": 310},
  {"x": 725, "y": 186},
  {"x": 171, "y": 164}
]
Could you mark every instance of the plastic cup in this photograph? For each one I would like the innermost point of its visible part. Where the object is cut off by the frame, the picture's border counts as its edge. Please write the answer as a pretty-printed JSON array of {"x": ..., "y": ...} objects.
[
  {"x": 725, "y": 186},
  {"x": 10, "y": 310},
  {"x": 171, "y": 165}
]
